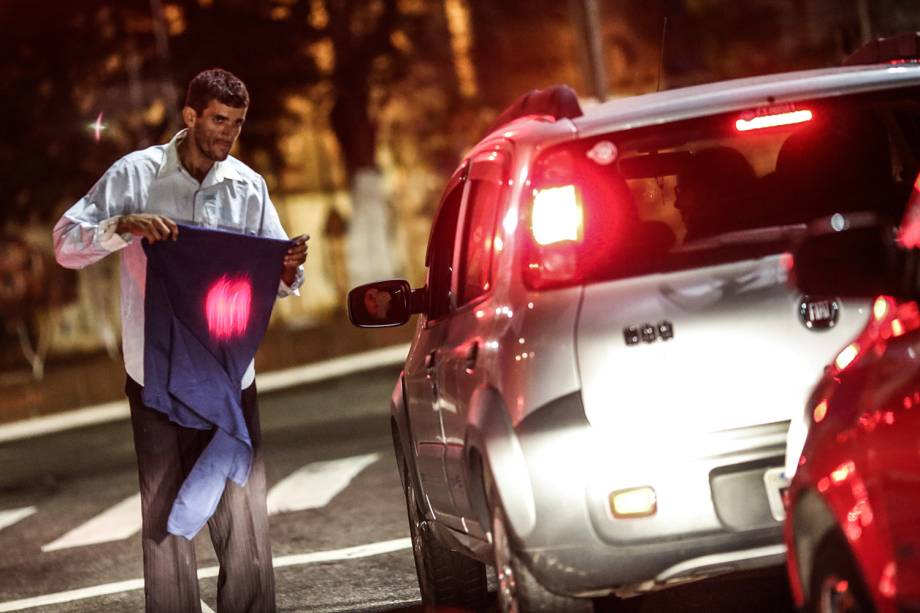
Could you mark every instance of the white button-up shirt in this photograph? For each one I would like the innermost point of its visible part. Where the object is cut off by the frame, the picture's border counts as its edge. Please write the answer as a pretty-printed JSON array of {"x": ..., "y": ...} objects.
[{"x": 232, "y": 197}]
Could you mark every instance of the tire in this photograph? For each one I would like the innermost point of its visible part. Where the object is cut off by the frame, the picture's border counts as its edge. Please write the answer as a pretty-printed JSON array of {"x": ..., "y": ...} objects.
[
  {"x": 836, "y": 584},
  {"x": 518, "y": 590},
  {"x": 445, "y": 578}
]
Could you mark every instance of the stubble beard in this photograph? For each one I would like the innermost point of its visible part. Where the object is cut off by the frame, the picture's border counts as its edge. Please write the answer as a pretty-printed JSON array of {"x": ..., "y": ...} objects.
[{"x": 209, "y": 152}]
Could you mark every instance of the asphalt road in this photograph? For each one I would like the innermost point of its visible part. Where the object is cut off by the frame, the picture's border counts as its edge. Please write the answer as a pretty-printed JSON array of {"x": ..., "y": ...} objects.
[{"x": 67, "y": 521}]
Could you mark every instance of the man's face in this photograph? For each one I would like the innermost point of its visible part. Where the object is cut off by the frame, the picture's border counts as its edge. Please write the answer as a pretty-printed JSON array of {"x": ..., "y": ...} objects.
[{"x": 216, "y": 129}]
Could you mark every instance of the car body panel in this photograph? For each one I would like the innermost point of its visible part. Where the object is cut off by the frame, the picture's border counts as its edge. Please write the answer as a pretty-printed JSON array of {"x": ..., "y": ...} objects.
[
  {"x": 422, "y": 398},
  {"x": 536, "y": 392},
  {"x": 460, "y": 372},
  {"x": 695, "y": 383},
  {"x": 742, "y": 94},
  {"x": 860, "y": 461}
]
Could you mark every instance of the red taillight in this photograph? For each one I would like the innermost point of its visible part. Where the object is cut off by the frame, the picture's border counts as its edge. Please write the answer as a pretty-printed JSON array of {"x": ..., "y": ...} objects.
[
  {"x": 556, "y": 233},
  {"x": 772, "y": 120},
  {"x": 557, "y": 215}
]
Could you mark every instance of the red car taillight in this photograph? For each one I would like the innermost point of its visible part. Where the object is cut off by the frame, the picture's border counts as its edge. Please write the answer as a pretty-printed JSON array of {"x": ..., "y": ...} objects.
[
  {"x": 557, "y": 215},
  {"x": 761, "y": 121},
  {"x": 556, "y": 232}
]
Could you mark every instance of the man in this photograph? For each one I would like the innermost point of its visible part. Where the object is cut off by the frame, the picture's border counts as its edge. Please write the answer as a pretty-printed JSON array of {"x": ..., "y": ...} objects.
[{"x": 194, "y": 180}]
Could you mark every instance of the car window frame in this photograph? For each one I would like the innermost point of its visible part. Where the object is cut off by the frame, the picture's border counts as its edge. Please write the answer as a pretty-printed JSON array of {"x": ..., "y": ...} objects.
[
  {"x": 457, "y": 181},
  {"x": 487, "y": 166}
]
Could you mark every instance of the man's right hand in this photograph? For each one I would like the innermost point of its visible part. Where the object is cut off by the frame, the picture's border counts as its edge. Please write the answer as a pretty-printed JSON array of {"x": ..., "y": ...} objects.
[{"x": 152, "y": 227}]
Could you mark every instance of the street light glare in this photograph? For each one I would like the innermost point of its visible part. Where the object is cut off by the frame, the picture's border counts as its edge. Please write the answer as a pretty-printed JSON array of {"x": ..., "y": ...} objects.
[{"x": 97, "y": 127}]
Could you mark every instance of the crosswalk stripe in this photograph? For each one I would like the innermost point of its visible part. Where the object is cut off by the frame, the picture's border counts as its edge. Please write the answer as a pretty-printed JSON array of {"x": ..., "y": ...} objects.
[
  {"x": 310, "y": 487},
  {"x": 205, "y": 608},
  {"x": 69, "y": 595},
  {"x": 114, "y": 524},
  {"x": 347, "y": 553},
  {"x": 10, "y": 517},
  {"x": 314, "y": 485}
]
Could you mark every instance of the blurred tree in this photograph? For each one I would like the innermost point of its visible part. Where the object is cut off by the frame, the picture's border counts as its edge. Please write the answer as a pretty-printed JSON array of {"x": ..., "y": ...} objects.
[
  {"x": 126, "y": 63},
  {"x": 377, "y": 47},
  {"x": 524, "y": 44},
  {"x": 101, "y": 77},
  {"x": 360, "y": 53},
  {"x": 264, "y": 42},
  {"x": 54, "y": 74}
]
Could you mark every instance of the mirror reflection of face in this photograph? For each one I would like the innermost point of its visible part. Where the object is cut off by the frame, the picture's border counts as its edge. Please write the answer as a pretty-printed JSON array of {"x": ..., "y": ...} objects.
[{"x": 377, "y": 303}]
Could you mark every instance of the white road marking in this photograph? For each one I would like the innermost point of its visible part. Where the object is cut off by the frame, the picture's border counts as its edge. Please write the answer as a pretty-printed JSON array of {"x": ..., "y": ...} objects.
[
  {"x": 267, "y": 382},
  {"x": 70, "y": 595},
  {"x": 329, "y": 369},
  {"x": 348, "y": 553},
  {"x": 114, "y": 524},
  {"x": 88, "y": 416},
  {"x": 310, "y": 487},
  {"x": 205, "y": 608},
  {"x": 314, "y": 485},
  {"x": 8, "y": 518}
]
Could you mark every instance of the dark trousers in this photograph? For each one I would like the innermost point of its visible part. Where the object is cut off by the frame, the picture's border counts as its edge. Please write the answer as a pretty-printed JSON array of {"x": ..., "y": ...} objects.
[{"x": 166, "y": 453}]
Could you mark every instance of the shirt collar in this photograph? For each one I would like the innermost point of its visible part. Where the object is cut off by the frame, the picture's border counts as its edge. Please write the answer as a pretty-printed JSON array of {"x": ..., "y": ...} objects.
[
  {"x": 221, "y": 171},
  {"x": 225, "y": 171},
  {"x": 171, "y": 161}
]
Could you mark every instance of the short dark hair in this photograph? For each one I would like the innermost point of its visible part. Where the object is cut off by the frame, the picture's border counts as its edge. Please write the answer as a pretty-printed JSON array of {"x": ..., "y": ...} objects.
[{"x": 216, "y": 84}]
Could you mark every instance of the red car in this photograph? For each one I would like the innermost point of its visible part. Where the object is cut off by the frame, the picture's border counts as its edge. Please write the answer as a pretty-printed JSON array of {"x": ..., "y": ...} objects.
[{"x": 852, "y": 526}]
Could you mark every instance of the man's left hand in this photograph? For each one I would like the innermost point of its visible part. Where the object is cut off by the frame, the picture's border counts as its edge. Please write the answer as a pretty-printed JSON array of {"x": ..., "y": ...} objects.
[{"x": 294, "y": 257}]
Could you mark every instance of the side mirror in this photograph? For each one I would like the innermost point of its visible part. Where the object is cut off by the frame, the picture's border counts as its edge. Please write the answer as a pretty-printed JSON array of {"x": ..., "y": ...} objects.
[
  {"x": 384, "y": 304},
  {"x": 850, "y": 256}
]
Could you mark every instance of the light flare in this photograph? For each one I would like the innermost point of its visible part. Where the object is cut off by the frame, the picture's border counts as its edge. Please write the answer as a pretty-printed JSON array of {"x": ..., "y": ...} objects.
[
  {"x": 846, "y": 356},
  {"x": 887, "y": 583},
  {"x": 820, "y": 411},
  {"x": 557, "y": 215},
  {"x": 227, "y": 306},
  {"x": 97, "y": 127},
  {"x": 881, "y": 307},
  {"x": 842, "y": 472},
  {"x": 773, "y": 120}
]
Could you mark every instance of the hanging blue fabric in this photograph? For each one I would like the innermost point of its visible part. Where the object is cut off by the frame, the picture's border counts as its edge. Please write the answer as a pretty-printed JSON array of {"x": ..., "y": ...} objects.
[{"x": 209, "y": 296}]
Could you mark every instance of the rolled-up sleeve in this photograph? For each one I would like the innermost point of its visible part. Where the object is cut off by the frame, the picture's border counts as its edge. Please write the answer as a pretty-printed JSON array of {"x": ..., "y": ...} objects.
[
  {"x": 272, "y": 228},
  {"x": 85, "y": 233}
]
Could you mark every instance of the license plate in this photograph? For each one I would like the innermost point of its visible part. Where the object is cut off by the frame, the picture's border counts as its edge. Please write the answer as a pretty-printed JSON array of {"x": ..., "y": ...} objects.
[{"x": 776, "y": 484}]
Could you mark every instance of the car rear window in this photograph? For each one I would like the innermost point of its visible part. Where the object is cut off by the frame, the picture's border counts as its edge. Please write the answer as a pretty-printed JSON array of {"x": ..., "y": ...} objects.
[{"x": 737, "y": 185}]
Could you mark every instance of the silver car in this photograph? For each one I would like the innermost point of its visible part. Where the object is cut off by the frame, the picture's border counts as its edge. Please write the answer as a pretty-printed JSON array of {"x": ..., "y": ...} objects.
[{"x": 609, "y": 351}]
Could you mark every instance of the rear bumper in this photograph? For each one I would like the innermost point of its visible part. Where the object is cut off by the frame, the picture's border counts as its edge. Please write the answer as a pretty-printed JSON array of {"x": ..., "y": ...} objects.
[
  {"x": 628, "y": 570},
  {"x": 713, "y": 512}
]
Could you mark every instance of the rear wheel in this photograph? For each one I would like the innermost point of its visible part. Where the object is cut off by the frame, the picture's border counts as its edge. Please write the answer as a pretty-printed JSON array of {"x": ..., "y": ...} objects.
[
  {"x": 445, "y": 577},
  {"x": 518, "y": 590},
  {"x": 836, "y": 584}
]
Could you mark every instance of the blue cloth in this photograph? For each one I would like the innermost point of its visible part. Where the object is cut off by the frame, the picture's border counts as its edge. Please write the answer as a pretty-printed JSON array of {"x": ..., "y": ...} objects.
[{"x": 209, "y": 296}]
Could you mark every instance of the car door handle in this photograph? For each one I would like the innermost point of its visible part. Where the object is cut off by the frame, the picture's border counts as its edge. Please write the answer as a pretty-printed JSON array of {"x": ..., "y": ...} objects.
[{"x": 469, "y": 362}]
